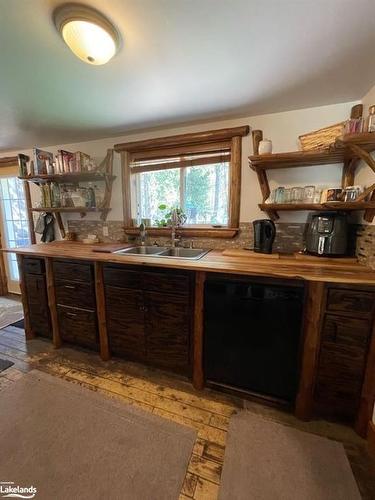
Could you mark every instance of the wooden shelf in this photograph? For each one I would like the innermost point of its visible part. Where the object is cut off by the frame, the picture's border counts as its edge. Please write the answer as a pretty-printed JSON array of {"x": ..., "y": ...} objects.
[
  {"x": 295, "y": 159},
  {"x": 347, "y": 149},
  {"x": 70, "y": 177},
  {"x": 338, "y": 153},
  {"x": 339, "y": 205}
]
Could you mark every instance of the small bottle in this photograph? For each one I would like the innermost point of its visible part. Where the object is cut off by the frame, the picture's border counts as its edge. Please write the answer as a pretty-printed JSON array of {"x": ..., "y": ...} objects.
[
  {"x": 370, "y": 121},
  {"x": 98, "y": 196},
  {"x": 91, "y": 196}
]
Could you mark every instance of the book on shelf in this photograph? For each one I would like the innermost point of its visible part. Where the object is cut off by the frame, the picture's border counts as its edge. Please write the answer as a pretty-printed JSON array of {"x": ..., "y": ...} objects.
[
  {"x": 67, "y": 162},
  {"x": 41, "y": 159}
]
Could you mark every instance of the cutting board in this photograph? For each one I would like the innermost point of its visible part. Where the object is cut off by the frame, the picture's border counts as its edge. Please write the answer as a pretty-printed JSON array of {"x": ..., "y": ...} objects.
[{"x": 249, "y": 254}]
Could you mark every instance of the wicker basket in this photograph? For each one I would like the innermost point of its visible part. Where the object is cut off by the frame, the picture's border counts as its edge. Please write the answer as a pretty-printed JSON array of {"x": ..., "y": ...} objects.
[{"x": 322, "y": 138}]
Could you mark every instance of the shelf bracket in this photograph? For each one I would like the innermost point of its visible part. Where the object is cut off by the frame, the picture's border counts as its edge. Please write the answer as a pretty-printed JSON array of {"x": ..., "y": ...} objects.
[
  {"x": 348, "y": 172},
  {"x": 369, "y": 160},
  {"x": 363, "y": 155}
]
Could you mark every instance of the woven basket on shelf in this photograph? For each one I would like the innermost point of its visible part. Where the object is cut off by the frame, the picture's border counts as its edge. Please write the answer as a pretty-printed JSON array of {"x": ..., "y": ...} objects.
[{"x": 322, "y": 138}]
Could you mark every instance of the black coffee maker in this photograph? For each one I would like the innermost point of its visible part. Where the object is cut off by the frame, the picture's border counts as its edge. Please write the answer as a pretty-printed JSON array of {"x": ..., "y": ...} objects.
[{"x": 264, "y": 235}]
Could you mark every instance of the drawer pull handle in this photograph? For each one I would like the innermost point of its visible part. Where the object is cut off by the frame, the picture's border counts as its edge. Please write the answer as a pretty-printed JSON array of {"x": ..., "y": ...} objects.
[
  {"x": 72, "y": 287},
  {"x": 73, "y": 315}
]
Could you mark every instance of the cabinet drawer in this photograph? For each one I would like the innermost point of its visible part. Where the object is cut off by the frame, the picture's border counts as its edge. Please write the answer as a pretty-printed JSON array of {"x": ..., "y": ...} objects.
[
  {"x": 78, "y": 326},
  {"x": 74, "y": 294},
  {"x": 72, "y": 270},
  {"x": 34, "y": 266},
  {"x": 354, "y": 301},
  {"x": 122, "y": 276},
  {"x": 166, "y": 282},
  {"x": 346, "y": 333}
]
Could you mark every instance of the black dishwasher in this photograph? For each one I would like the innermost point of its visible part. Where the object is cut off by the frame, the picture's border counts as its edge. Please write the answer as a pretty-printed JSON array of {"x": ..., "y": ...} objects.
[{"x": 252, "y": 335}]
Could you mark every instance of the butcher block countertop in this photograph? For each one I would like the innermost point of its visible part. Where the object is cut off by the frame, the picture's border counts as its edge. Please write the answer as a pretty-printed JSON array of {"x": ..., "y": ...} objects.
[{"x": 284, "y": 267}]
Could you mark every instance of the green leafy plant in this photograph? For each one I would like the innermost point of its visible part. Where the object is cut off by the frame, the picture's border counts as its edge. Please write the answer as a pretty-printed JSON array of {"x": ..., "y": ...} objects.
[{"x": 166, "y": 216}]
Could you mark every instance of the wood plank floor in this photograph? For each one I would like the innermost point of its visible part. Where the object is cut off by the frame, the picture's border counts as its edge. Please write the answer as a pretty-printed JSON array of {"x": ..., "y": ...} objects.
[{"x": 172, "y": 398}]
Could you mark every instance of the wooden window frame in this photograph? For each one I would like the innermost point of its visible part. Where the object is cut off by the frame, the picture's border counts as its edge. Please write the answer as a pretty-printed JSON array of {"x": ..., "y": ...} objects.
[{"x": 177, "y": 145}]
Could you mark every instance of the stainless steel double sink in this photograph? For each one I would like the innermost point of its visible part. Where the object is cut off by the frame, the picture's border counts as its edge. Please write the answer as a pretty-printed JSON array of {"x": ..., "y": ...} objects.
[{"x": 167, "y": 252}]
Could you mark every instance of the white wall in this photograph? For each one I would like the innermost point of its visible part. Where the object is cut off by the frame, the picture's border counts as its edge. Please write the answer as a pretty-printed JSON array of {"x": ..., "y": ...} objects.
[{"x": 282, "y": 128}]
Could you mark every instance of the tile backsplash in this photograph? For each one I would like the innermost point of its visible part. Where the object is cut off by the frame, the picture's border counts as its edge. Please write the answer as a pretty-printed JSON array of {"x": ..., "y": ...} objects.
[{"x": 289, "y": 237}]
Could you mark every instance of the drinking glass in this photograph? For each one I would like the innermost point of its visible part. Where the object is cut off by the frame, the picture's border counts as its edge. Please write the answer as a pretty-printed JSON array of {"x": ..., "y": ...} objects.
[
  {"x": 308, "y": 194},
  {"x": 280, "y": 195},
  {"x": 297, "y": 194}
]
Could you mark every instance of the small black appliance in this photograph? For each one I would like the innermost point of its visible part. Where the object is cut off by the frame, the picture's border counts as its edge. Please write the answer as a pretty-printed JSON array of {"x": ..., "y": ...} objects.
[
  {"x": 327, "y": 234},
  {"x": 264, "y": 235}
]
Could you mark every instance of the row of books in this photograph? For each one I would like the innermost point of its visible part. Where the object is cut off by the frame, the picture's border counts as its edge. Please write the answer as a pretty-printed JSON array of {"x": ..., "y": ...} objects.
[{"x": 46, "y": 163}]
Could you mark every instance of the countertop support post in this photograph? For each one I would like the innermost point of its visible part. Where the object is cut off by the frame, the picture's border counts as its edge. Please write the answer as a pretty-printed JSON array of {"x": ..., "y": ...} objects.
[
  {"x": 51, "y": 294},
  {"x": 100, "y": 307},
  {"x": 29, "y": 334},
  {"x": 310, "y": 349},
  {"x": 198, "y": 373}
]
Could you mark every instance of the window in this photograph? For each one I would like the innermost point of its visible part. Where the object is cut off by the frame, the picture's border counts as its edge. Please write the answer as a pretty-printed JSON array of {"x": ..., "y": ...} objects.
[
  {"x": 199, "y": 173},
  {"x": 15, "y": 221},
  {"x": 201, "y": 191}
]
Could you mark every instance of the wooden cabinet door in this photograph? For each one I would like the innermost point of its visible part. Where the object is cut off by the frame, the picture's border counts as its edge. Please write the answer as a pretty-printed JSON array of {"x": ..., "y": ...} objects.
[
  {"x": 167, "y": 323},
  {"x": 36, "y": 291},
  {"x": 125, "y": 322},
  {"x": 341, "y": 365}
]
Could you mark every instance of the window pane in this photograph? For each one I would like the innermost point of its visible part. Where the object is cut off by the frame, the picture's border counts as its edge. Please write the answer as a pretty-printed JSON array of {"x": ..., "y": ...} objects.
[
  {"x": 14, "y": 216},
  {"x": 155, "y": 188},
  {"x": 206, "y": 194},
  {"x": 201, "y": 191}
]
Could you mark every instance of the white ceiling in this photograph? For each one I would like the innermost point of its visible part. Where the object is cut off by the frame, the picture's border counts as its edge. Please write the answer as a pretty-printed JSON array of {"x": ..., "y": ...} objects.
[{"x": 181, "y": 60}]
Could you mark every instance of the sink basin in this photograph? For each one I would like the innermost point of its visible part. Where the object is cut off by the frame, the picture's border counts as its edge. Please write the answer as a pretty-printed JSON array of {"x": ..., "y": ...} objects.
[
  {"x": 169, "y": 253},
  {"x": 154, "y": 250},
  {"x": 184, "y": 253}
]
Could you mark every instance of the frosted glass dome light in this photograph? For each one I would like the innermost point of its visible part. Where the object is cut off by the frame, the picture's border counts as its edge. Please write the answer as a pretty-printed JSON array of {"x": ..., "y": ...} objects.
[{"x": 88, "y": 34}]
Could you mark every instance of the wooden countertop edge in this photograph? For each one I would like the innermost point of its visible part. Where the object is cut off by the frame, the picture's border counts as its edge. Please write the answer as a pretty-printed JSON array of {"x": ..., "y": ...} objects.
[{"x": 212, "y": 262}]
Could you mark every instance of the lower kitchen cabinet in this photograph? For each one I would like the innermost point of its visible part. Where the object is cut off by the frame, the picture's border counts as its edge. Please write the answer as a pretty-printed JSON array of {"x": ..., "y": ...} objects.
[
  {"x": 36, "y": 296},
  {"x": 344, "y": 342},
  {"x": 125, "y": 322},
  {"x": 150, "y": 326},
  {"x": 78, "y": 326},
  {"x": 76, "y": 303},
  {"x": 167, "y": 329}
]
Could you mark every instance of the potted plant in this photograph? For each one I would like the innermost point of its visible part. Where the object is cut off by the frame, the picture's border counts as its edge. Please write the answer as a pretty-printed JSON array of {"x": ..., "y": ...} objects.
[{"x": 166, "y": 216}]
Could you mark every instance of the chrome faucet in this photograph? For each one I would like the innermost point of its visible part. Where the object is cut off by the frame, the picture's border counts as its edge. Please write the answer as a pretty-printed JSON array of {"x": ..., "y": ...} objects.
[
  {"x": 142, "y": 234},
  {"x": 174, "y": 224}
]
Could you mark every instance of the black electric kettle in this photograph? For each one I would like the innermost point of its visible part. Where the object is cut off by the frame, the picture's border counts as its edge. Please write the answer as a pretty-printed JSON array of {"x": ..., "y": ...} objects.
[{"x": 264, "y": 235}]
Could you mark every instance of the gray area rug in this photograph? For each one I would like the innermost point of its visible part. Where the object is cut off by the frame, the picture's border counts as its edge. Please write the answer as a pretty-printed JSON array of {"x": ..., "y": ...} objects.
[
  {"x": 4, "y": 364},
  {"x": 10, "y": 311},
  {"x": 71, "y": 443},
  {"x": 268, "y": 461}
]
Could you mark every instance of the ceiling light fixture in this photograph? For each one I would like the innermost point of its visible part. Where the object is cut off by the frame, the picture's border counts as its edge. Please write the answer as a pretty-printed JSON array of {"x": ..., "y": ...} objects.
[{"x": 88, "y": 34}]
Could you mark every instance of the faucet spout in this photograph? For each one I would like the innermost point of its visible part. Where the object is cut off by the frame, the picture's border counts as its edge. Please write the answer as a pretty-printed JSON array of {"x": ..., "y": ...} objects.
[{"x": 142, "y": 233}]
